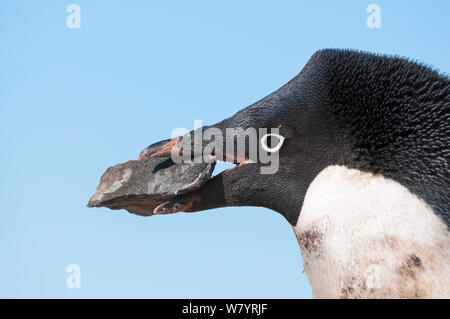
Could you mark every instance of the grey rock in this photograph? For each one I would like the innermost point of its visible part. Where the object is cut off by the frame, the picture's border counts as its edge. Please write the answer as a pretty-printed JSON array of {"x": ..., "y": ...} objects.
[{"x": 139, "y": 187}]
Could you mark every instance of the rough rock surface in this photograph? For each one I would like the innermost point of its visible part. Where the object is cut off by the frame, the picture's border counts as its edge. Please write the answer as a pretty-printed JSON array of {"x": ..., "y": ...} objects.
[{"x": 139, "y": 187}]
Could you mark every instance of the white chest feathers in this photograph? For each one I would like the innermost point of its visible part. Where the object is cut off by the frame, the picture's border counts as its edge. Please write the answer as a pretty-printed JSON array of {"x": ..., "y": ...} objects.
[{"x": 365, "y": 236}]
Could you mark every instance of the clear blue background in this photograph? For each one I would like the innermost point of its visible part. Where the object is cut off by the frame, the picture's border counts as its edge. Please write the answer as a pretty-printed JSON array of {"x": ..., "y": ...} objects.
[{"x": 76, "y": 101}]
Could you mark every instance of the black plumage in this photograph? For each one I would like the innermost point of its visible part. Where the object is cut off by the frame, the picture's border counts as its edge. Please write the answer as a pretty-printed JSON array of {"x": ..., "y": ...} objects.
[{"x": 396, "y": 115}]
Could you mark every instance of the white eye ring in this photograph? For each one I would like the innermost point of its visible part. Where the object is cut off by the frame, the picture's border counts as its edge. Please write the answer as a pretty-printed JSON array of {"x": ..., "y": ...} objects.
[{"x": 273, "y": 149}]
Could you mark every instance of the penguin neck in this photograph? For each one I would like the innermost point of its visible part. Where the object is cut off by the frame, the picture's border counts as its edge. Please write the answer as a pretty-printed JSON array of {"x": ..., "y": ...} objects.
[
  {"x": 392, "y": 127},
  {"x": 366, "y": 236}
]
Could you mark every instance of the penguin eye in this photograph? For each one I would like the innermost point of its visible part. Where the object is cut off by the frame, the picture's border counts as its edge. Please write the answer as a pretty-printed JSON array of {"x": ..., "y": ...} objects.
[{"x": 278, "y": 139}]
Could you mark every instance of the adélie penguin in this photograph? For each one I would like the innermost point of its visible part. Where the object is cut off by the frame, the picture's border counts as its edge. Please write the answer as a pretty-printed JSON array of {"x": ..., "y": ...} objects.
[{"x": 363, "y": 173}]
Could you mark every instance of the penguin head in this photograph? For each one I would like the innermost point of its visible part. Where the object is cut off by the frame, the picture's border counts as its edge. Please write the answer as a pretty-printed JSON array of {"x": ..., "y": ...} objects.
[
  {"x": 279, "y": 144},
  {"x": 344, "y": 108}
]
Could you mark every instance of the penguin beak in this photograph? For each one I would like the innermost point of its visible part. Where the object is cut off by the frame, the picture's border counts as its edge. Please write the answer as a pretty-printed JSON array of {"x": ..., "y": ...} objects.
[
  {"x": 166, "y": 147},
  {"x": 211, "y": 196},
  {"x": 160, "y": 149}
]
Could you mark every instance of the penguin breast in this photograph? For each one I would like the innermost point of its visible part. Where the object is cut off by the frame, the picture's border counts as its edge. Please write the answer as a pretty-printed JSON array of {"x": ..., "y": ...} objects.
[{"x": 366, "y": 236}]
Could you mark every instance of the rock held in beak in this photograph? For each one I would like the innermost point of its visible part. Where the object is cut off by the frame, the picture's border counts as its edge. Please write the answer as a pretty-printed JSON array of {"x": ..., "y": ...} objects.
[{"x": 139, "y": 187}]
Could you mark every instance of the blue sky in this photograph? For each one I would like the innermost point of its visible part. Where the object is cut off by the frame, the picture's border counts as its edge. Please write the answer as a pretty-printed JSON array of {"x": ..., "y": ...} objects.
[{"x": 76, "y": 101}]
